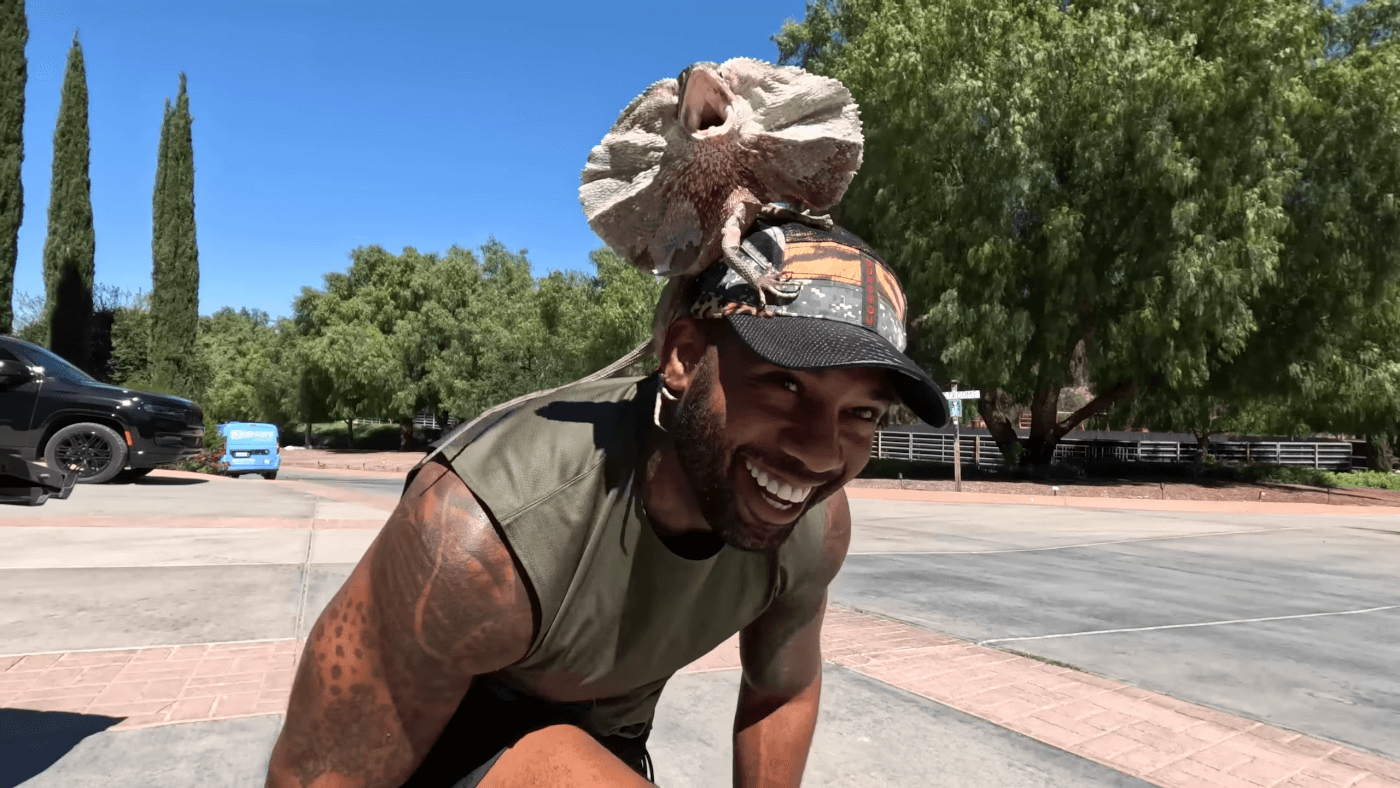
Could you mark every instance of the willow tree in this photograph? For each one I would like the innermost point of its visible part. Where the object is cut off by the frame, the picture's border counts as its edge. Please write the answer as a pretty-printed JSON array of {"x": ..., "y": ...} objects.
[{"x": 1092, "y": 188}]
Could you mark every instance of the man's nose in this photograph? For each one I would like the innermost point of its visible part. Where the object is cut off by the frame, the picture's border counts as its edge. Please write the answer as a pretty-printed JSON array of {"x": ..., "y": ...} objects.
[{"x": 814, "y": 440}]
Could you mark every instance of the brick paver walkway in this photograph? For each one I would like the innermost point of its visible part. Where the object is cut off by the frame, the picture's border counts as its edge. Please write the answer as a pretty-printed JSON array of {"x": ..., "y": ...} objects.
[{"x": 1160, "y": 739}]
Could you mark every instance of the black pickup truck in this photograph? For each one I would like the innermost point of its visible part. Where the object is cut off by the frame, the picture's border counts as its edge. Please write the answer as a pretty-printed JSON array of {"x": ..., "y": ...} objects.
[{"x": 52, "y": 411}]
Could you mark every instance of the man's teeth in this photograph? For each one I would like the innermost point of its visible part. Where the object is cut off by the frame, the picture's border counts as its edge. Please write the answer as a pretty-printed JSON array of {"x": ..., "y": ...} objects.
[{"x": 777, "y": 489}]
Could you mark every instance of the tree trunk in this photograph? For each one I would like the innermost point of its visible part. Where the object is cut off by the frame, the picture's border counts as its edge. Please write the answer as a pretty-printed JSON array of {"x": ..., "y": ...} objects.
[
  {"x": 306, "y": 442},
  {"x": 1203, "y": 446},
  {"x": 350, "y": 432},
  {"x": 1045, "y": 434},
  {"x": 1381, "y": 448},
  {"x": 1000, "y": 412},
  {"x": 1047, "y": 430}
]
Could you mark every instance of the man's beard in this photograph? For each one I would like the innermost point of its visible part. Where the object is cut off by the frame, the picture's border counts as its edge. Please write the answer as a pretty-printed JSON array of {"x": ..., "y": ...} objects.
[{"x": 704, "y": 455}]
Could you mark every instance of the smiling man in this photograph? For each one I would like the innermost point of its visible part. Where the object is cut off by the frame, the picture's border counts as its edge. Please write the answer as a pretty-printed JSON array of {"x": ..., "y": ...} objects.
[{"x": 549, "y": 569}]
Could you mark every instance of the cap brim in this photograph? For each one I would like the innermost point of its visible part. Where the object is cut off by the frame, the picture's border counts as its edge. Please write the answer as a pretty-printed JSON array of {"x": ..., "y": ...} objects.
[{"x": 817, "y": 343}]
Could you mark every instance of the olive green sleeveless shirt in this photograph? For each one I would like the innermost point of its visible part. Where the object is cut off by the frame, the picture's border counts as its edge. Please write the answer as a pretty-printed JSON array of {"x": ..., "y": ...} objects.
[{"x": 619, "y": 612}]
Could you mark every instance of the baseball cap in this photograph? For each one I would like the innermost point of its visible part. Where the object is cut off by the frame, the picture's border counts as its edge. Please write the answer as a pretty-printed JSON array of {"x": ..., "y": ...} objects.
[{"x": 849, "y": 312}]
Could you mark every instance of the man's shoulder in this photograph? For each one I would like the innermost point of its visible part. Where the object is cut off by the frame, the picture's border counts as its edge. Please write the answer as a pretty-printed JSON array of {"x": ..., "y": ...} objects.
[
  {"x": 520, "y": 456},
  {"x": 836, "y": 535},
  {"x": 816, "y": 549}
]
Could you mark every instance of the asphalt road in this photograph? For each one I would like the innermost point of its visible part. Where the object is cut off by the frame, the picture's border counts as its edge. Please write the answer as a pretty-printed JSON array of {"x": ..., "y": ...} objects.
[
  {"x": 1289, "y": 620},
  {"x": 386, "y": 485}
]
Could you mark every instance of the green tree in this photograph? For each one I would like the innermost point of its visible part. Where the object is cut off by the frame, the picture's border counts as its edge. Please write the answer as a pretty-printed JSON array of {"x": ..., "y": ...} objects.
[
  {"x": 70, "y": 246},
  {"x": 14, "y": 34},
  {"x": 277, "y": 385},
  {"x": 237, "y": 352},
  {"x": 1099, "y": 182},
  {"x": 455, "y": 333},
  {"x": 131, "y": 344},
  {"x": 348, "y": 358},
  {"x": 593, "y": 321},
  {"x": 491, "y": 341},
  {"x": 1323, "y": 358},
  {"x": 175, "y": 256}
]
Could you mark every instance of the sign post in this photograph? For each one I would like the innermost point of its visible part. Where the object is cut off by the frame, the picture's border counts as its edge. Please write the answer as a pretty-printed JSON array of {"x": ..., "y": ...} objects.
[
  {"x": 955, "y": 398},
  {"x": 957, "y": 440}
]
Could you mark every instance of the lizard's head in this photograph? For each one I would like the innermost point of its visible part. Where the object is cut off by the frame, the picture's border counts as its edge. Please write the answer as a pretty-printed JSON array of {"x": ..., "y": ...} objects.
[{"x": 706, "y": 107}]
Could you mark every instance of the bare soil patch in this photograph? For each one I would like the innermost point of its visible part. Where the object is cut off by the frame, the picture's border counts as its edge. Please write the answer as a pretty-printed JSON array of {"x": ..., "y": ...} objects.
[{"x": 352, "y": 459}]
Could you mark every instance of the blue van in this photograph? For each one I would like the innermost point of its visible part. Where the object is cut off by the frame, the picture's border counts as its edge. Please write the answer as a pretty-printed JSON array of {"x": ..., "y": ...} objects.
[{"x": 250, "y": 448}]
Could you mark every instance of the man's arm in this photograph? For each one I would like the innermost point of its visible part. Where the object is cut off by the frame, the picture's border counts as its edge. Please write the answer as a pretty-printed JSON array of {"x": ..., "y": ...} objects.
[
  {"x": 435, "y": 601},
  {"x": 782, "y": 677}
]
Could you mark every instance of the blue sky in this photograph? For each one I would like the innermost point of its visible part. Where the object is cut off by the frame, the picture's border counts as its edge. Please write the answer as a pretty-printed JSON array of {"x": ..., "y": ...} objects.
[{"x": 323, "y": 126}]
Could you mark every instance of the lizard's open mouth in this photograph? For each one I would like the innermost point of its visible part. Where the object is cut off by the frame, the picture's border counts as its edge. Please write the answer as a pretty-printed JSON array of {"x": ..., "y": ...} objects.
[{"x": 707, "y": 105}]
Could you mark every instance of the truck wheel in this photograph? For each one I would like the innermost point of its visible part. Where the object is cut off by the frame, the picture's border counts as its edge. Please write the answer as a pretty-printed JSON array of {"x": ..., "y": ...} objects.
[
  {"x": 97, "y": 452},
  {"x": 270, "y": 475}
]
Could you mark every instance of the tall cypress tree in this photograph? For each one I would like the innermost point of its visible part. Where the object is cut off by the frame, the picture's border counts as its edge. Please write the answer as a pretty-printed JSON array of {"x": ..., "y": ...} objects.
[
  {"x": 14, "y": 34},
  {"x": 70, "y": 246},
  {"x": 175, "y": 255}
]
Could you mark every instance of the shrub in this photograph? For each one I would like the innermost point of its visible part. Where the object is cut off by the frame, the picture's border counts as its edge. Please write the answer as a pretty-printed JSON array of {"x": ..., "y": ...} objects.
[{"x": 206, "y": 461}]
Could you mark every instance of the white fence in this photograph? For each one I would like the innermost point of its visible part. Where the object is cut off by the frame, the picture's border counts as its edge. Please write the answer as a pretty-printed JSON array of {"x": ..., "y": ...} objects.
[
  {"x": 981, "y": 450},
  {"x": 423, "y": 421}
]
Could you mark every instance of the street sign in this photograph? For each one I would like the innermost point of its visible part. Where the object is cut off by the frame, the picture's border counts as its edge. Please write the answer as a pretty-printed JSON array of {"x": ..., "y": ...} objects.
[
  {"x": 955, "y": 408},
  {"x": 968, "y": 394}
]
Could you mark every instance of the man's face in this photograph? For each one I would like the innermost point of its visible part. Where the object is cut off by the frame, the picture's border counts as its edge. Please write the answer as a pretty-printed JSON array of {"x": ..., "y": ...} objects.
[{"x": 760, "y": 444}]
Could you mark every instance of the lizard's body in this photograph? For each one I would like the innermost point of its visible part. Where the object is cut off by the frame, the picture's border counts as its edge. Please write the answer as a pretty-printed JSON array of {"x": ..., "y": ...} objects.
[{"x": 694, "y": 161}]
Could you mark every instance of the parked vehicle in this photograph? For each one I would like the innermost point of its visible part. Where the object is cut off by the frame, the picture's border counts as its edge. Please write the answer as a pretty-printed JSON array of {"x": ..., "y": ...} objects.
[
  {"x": 250, "y": 448},
  {"x": 52, "y": 411}
]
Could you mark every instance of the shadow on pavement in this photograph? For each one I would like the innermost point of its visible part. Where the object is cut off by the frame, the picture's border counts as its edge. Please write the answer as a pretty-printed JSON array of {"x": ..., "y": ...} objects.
[
  {"x": 34, "y": 740},
  {"x": 162, "y": 481}
]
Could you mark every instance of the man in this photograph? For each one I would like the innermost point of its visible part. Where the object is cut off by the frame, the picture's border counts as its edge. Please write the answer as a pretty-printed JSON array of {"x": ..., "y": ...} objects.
[{"x": 550, "y": 568}]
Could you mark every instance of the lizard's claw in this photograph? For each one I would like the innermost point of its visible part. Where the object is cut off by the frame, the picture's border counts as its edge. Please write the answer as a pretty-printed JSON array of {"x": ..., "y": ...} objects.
[{"x": 777, "y": 286}]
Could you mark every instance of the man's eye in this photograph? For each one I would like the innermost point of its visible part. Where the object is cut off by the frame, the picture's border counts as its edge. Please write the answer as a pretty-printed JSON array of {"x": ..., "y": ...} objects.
[
  {"x": 789, "y": 384},
  {"x": 866, "y": 413}
]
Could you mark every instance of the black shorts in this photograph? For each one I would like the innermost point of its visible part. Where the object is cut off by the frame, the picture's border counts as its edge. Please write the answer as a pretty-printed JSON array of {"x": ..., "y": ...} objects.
[{"x": 491, "y": 719}]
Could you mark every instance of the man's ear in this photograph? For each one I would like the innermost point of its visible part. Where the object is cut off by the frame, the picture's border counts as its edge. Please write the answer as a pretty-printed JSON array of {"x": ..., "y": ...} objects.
[{"x": 682, "y": 354}]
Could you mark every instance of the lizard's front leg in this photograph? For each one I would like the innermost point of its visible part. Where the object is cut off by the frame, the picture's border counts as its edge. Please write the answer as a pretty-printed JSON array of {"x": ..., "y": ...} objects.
[
  {"x": 771, "y": 283},
  {"x": 774, "y": 212}
]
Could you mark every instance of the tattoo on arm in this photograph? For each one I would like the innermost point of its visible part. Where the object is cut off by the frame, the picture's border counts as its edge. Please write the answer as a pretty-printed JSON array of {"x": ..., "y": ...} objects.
[{"x": 436, "y": 600}]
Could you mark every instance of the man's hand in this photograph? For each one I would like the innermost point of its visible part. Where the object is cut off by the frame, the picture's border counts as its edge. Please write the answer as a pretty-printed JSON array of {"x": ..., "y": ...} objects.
[
  {"x": 435, "y": 601},
  {"x": 781, "y": 688}
]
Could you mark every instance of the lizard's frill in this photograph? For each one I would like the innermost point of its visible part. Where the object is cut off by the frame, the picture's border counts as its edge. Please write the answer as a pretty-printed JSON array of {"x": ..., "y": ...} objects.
[{"x": 799, "y": 138}]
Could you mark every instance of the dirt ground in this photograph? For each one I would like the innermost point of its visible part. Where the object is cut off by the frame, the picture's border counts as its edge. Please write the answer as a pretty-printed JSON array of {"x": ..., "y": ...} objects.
[
  {"x": 353, "y": 460},
  {"x": 1174, "y": 489}
]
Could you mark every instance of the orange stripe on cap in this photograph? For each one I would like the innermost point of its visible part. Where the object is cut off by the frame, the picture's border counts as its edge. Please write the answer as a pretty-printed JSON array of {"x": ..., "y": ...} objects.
[
  {"x": 823, "y": 260},
  {"x": 890, "y": 289}
]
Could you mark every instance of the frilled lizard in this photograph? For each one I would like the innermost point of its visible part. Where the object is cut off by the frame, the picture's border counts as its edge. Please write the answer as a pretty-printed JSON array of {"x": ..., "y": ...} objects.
[{"x": 691, "y": 163}]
